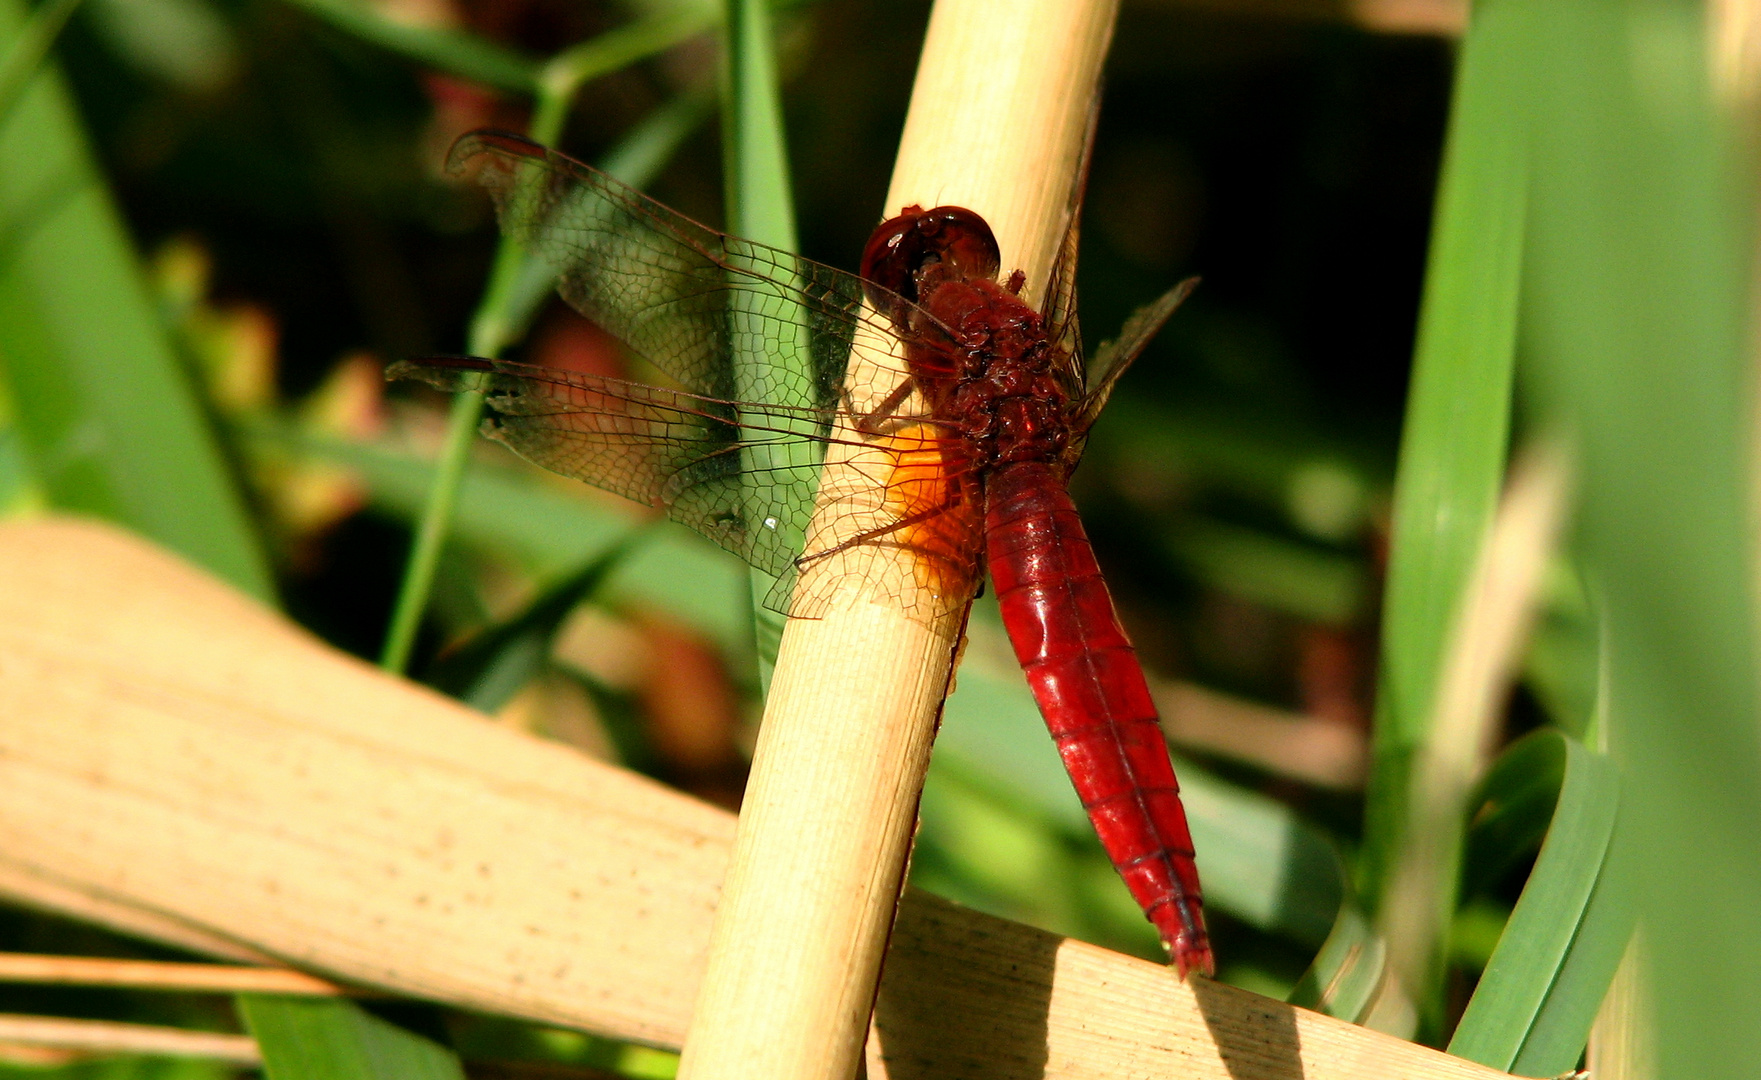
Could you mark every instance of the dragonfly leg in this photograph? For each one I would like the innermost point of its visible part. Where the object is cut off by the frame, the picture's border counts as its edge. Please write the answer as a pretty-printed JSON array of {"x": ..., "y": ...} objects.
[
  {"x": 871, "y": 423},
  {"x": 949, "y": 507}
]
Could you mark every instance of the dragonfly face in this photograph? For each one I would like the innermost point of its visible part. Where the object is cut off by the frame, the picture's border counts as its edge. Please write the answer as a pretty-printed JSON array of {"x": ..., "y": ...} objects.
[{"x": 949, "y": 243}]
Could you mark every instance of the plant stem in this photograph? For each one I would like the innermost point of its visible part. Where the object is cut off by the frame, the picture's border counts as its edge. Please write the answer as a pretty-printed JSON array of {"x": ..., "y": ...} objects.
[
  {"x": 761, "y": 206},
  {"x": 501, "y": 315}
]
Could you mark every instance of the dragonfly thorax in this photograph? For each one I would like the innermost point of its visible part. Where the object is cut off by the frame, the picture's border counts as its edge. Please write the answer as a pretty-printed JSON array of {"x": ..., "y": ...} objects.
[
  {"x": 978, "y": 352},
  {"x": 995, "y": 377}
]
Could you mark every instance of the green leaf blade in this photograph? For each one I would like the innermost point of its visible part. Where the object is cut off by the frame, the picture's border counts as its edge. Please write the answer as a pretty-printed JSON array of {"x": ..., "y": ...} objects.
[
  {"x": 1559, "y": 949},
  {"x": 108, "y": 417},
  {"x": 334, "y": 1039},
  {"x": 1453, "y": 448}
]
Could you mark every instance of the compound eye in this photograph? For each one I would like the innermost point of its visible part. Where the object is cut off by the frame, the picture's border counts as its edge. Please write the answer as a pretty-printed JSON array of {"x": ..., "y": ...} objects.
[
  {"x": 964, "y": 242},
  {"x": 952, "y": 239}
]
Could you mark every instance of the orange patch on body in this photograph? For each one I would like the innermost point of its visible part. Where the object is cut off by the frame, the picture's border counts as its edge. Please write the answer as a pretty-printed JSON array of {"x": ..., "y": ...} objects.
[{"x": 940, "y": 500}]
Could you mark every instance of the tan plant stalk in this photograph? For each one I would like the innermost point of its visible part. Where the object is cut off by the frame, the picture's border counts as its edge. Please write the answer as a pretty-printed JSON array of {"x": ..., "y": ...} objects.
[
  {"x": 1492, "y": 622},
  {"x": 161, "y": 975},
  {"x": 997, "y": 124},
  {"x": 210, "y": 772},
  {"x": 111, "y": 1037}
]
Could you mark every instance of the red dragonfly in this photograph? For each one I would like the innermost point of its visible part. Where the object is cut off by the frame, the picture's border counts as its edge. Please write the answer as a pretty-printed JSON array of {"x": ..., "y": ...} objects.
[{"x": 983, "y": 412}]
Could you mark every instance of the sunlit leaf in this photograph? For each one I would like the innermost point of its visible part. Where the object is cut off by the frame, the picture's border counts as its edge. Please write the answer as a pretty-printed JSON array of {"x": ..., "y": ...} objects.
[
  {"x": 336, "y": 1039},
  {"x": 1532, "y": 1010},
  {"x": 1452, "y": 452},
  {"x": 1641, "y": 332},
  {"x": 109, "y": 419}
]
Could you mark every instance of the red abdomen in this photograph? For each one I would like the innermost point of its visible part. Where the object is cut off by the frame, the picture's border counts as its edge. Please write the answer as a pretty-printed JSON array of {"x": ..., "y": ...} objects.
[{"x": 1091, "y": 690}]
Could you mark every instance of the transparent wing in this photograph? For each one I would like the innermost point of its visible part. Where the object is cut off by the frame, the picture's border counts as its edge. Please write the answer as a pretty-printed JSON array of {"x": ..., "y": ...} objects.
[
  {"x": 745, "y": 475},
  {"x": 1059, "y": 315},
  {"x": 1113, "y": 357},
  {"x": 728, "y": 318}
]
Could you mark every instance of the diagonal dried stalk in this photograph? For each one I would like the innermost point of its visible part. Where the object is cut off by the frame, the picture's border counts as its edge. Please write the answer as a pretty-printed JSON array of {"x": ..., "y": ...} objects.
[
  {"x": 114, "y": 1037},
  {"x": 205, "y": 771},
  {"x": 162, "y": 975}
]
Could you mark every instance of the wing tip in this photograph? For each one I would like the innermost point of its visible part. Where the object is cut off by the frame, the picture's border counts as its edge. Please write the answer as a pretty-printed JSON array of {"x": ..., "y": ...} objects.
[
  {"x": 439, "y": 371},
  {"x": 467, "y": 148}
]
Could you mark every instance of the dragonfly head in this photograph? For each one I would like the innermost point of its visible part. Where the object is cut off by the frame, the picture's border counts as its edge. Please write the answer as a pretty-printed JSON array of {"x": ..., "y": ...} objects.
[{"x": 949, "y": 243}]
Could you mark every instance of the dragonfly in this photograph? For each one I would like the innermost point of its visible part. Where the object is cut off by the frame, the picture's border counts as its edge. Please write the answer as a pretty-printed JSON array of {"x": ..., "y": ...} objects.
[{"x": 955, "y": 459}]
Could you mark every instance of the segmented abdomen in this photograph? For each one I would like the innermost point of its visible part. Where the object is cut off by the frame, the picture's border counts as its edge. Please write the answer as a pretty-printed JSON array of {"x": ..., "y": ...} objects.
[{"x": 1092, "y": 693}]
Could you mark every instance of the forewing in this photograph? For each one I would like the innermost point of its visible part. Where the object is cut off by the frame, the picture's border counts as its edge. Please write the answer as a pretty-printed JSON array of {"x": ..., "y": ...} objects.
[
  {"x": 682, "y": 452},
  {"x": 1059, "y": 315},
  {"x": 746, "y": 476},
  {"x": 1059, "y": 308},
  {"x": 693, "y": 301},
  {"x": 759, "y": 338}
]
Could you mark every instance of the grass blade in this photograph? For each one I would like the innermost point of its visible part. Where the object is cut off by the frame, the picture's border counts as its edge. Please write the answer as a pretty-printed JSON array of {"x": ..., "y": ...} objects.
[
  {"x": 1537, "y": 998},
  {"x": 567, "y": 71},
  {"x": 760, "y": 207},
  {"x": 1453, "y": 447},
  {"x": 431, "y": 529},
  {"x": 334, "y": 1039},
  {"x": 106, "y": 414}
]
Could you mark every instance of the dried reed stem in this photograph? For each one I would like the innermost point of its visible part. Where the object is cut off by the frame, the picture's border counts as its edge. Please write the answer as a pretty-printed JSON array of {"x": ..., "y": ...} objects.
[
  {"x": 997, "y": 121},
  {"x": 1491, "y": 624},
  {"x": 160, "y": 975},
  {"x": 205, "y": 769},
  {"x": 110, "y": 1037}
]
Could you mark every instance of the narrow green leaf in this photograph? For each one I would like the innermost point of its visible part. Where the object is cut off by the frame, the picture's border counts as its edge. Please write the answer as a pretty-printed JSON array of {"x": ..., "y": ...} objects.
[
  {"x": 335, "y": 1039},
  {"x": 566, "y": 72},
  {"x": 107, "y": 416},
  {"x": 431, "y": 529},
  {"x": 1452, "y": 450},
  {"x": 1561, "y": 1027},
  {"x": 1540, "y": 990},
  {"x": 487, "y": 671},
  {"x": 760, "y": 207}
]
